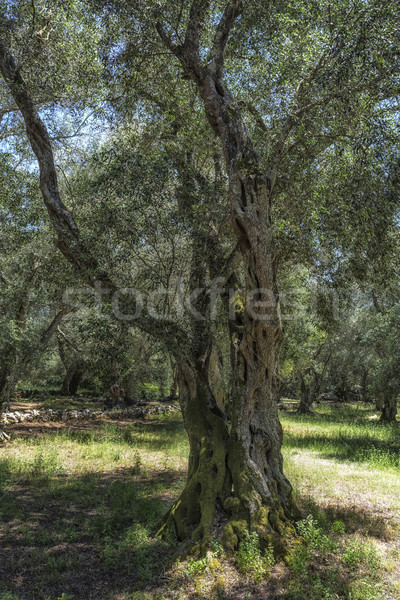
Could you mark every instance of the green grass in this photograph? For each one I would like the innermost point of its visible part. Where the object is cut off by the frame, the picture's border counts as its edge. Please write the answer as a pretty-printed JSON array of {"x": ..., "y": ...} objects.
[
  {"x": 345, "y": 434},
  {"x": 78, "y": 510}
]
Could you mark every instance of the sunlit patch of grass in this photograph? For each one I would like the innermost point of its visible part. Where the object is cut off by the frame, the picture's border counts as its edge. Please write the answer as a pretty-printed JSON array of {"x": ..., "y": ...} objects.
[
  {"x": 104, "y": 448},
  {"x": 342, "y": 454},
  {"x": 345, "y": 471}
]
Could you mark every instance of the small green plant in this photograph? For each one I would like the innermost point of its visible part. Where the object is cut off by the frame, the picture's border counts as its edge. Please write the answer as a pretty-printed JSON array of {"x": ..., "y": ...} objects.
[
  {"x": 357, "y": 552},
  {"x": 310, "y": 530},
  {"x": 216, "y": 548},
  {"x": 364, "y": 590},
  {"x": 298, "y": 560},
  {"x": 138, "y": 463},
  {"x": 338, "y": 527},
  {"x": 65, "y": 596},
  {"x": 195, "y": 567},
  {"x": 249, "y": 558}
]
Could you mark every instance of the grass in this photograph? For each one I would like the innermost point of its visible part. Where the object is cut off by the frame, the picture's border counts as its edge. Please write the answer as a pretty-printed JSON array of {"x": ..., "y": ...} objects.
[{"x": 78, "y": 507}]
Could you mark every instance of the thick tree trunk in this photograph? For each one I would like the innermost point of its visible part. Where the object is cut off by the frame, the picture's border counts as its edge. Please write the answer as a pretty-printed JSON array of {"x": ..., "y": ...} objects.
[
  {"x": 389, "y": 410},
  {"x": 71, "y": 381},
  {"x": 202, "y": 398},
  {"x": 261, "y": 498},
  {"x": 308, "y": 393}
]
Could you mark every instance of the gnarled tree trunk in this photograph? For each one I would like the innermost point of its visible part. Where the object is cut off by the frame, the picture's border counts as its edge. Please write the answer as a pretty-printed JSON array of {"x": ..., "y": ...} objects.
[{"x": 261, "y": 497}]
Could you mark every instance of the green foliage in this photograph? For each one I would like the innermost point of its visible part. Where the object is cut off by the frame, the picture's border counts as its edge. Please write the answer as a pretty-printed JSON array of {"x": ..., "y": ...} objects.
[
  {"x": 357, "y": 552},
  {"x": 310, "y": 530},
  {"x": 249, "y": 558},
  {"x": 365, "y": 590},
  {"x": 338, "y": 527},
  {"x": 195, "y": 567},
  {"x": 216, "y": 548}
]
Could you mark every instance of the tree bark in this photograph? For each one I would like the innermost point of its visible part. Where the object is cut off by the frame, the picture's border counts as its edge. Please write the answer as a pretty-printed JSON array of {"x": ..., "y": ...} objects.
[
  {"x": 216, "y": 378},
  {"x": 202, "y": 400}
]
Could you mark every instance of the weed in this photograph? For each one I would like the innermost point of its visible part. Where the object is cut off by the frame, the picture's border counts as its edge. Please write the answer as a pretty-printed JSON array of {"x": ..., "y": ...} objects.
[
  {"x": 45, "y": 463},
  {"x": 358, "y": 552},
  {"x": 310, "y": 530},
  {"x": 298, "y": 559},
  {"x": 249, "y": 558},
  {"x": 194, "y": 567},
  {"x": 338, "y": 527},
  {"x": 138, "y": 463},
  {"x": 364, "y": 590},
  {"x": 216, "y": 548}
]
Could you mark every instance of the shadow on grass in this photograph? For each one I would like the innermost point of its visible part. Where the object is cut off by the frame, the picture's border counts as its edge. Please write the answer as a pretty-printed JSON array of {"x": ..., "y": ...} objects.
[
  {"x": 149, "y": 434},
  {"x": 344, "y": 434},
  {"x": 352, "y": 448},
  {"x": 355, "y": 518},
  {"x": 88, "y": 536}
]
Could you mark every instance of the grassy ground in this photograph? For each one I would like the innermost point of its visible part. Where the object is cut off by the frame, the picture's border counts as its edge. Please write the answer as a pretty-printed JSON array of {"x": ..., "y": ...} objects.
[{"x": 78, "y": 505}]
